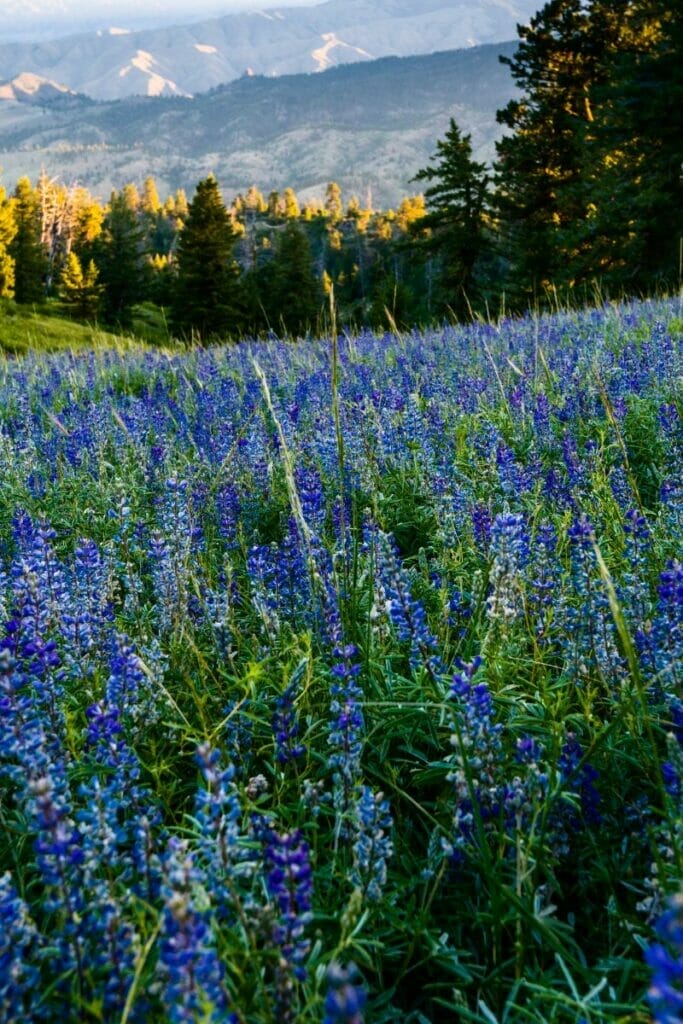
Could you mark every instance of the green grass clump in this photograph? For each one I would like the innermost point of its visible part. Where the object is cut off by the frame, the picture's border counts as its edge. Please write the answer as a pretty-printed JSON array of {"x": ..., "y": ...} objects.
[{"x": 41, "y": 329}]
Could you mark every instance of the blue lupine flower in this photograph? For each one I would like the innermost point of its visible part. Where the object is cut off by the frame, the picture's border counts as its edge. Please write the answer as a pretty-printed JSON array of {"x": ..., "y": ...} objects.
[
  {"x": 579, "y": 778},
  {"x": 542, "y": 575},
  {"x": 667, "y": 632},
  {"x": 541, "y": 414},
  {"x": 39, "y": 584},
  {"x": 665, "y": 960},
  {"x": 170, "y": 551},
  {"x": 113, "y": 798},
  {"x": 194, "y": 981},
  {"x": 127, "y": 554},
  {"x": 60, "y": 860},
  {"x": 19, "y": 986},
  {"x": 238, "y": 735},
  {"x": 263, "y": 593},
  {"x": 128, "y": 688},
  {"x": 115, "y": 956},
  {"x": 510, "y": 474},
  {"x": 372, "y": 846},
  {"x": 217, "y": 813},
  {"x": 590, "y": 640},
  {"x": 228, "y": 509},
  {"x": 634, "y": 590},
  {"x": 476, "y": 738},
  {"x": 290, "y": 884},
  {"x": 407, "y": 613},
  {"x": 312, "y": 496},
  {"x": 346, "y": 998},
  {"x": 671, "y": 779},
  {"x": 525, "y": 792},
  {"x": 23, "y": 742},
  {"x": 286, "y": 722},
  {"x": 510, "y": 548},
  {"x": 88, "y": 614},
  {"x": 481, "y": 526},
  {"x": 346, "y": 731}
]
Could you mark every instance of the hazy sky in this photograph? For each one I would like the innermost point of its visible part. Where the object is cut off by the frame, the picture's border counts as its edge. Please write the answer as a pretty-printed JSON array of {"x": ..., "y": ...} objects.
[
  {"x": 87, "y": 9},
  {"x": 26, "y": 19}
]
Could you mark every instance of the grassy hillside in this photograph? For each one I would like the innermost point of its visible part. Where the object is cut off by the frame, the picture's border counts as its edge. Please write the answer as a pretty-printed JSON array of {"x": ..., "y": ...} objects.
[
  {"x": 295, "y": 676},
  {"x": 42, "y": 330}
]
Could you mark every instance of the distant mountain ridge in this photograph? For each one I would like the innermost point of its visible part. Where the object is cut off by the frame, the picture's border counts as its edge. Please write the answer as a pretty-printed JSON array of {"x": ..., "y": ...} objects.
[
  {"x": 190, "y": 58},
  {"x": 369, "y": 126},
  {"x": 30, "y": 88}
]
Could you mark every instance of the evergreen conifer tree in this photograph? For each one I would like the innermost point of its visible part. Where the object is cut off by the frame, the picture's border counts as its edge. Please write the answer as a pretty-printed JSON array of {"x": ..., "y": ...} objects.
[
  {"x": 119, "y": 255},
  {"x": 80, "y": 288},
  {"x": 456, "y": 216},
  {"x": 26, "y": 249},
  {"x": 206, "y": 294},
  {"x": 296, "y": 299},
  {"x": 274, "y": 207},
  {"x": 541, "y": 168},
  {"x": 632, "y": 238}
]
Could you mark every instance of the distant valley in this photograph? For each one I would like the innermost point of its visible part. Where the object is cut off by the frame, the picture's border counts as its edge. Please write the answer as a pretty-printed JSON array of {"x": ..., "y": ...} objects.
[{"x": 370, "y": 126}]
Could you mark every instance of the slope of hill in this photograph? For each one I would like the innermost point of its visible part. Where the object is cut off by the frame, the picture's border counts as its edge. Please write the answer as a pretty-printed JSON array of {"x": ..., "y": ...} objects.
[
  {"x": 369, "y": 126},
  {"x": 187, "y": 59},
  {"x": 25, "y": 330}
]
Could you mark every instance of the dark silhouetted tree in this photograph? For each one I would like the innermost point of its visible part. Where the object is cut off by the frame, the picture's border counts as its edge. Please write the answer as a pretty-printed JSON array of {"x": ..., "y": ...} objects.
[
  {"x": 120, "y": 258},
  {"x": 456, "y": 201},
  {"x": 206, "y": 299},
  {"x": 296, "y": 299}
]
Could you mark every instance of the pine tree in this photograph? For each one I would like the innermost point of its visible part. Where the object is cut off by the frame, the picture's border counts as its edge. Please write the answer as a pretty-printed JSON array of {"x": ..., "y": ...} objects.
[
  {"x": 274, "y": 207},
  {"x": 296, "y": 298},
  {"x": 634, "y": 152},
  {"x": 206, "y": 294},
  {"x": 181, "y": 205},
  {"x": 80, "y": 289},
  {"x": 7, "y": 233},
  {"x": 26, "y": 248},
  {"x": 119, "y": 256},
  {"x": 541, "y": 163},
  {"x": 456, "y": 217}
]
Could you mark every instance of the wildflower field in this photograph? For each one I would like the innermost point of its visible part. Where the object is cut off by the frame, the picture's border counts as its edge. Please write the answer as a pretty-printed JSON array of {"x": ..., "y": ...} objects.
[{"x": 343, "y": 682}]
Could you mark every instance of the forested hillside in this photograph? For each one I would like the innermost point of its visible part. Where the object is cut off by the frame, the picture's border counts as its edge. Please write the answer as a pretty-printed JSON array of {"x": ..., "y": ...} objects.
[{"x": 368, "y": 126}]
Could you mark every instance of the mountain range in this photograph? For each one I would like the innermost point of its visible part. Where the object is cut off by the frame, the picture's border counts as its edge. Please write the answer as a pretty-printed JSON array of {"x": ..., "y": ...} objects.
[
  {"x": 185, "y": 59},
  {"x": 369, "y": 126}
]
